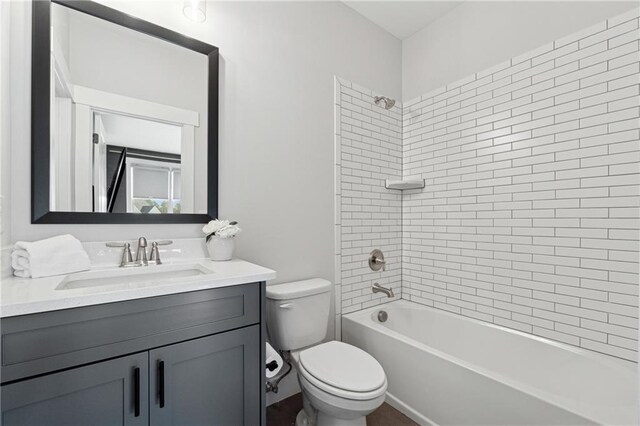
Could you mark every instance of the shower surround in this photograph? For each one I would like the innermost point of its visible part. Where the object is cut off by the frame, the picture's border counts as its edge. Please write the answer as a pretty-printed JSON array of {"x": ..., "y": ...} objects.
[
  {"x": 530, "y": 214},
  {"x": 529, "y": 217},
  {"x": 368, "y": 151}
]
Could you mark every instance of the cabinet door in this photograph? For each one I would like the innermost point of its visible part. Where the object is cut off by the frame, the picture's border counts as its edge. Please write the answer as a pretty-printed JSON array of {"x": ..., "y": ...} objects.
[
  {"x": 213, "y": 380},
  {"x": 110, "y": 393}
]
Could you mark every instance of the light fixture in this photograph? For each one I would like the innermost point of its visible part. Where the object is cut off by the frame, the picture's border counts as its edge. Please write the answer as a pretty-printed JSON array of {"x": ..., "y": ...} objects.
[{"x": 196, "y": 10}]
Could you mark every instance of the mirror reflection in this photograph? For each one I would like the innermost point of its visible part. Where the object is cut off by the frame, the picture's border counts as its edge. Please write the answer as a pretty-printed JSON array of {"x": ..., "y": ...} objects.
[{"x": 128, "y": 120}]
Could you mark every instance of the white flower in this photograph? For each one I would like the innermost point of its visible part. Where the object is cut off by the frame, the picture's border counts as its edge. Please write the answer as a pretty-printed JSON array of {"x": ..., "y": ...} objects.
[
  {"x": 214, "y": 226},
  {"x": 229, "y": 231}
]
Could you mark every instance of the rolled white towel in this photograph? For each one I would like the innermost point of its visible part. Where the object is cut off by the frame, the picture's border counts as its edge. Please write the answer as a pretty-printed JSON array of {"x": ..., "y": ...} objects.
[
  {"x": 20, "y": 259},
  {"x": 53, "y": 256}
]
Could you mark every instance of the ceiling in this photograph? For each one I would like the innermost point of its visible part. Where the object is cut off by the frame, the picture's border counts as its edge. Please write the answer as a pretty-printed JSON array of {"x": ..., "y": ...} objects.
[{"x": 402, "y": 18}]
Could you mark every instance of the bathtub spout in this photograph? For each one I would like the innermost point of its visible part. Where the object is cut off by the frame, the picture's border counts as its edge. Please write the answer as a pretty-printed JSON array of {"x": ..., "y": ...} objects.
[{"x": 377, "y": 288}]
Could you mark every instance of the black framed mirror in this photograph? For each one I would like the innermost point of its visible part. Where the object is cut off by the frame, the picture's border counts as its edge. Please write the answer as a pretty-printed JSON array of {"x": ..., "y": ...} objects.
[{"x": 124, "y": 119}]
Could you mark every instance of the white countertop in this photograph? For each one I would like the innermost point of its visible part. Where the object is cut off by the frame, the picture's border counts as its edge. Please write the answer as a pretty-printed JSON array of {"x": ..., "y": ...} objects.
[{"x": 22, "y": 296}]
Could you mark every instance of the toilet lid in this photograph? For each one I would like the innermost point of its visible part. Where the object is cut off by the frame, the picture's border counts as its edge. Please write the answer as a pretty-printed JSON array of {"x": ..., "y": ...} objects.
[{"x": 343, "y": 366}]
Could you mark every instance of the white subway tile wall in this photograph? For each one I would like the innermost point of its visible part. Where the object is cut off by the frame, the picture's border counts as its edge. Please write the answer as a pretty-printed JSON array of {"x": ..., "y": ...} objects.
[
  {"x": 368, "y": 216},
  {"x": 530, "y": 215}
]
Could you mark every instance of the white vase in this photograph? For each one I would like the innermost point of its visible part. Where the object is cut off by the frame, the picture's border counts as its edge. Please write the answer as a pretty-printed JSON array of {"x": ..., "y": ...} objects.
[{"x": 220, "y": 248}]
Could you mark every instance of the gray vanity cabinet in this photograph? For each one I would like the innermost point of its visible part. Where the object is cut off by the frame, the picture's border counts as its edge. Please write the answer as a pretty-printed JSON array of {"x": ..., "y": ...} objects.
[
  {"x": 194, "y": 358},
  {"x": 108, "y": 393},
  {"x": 208, "y": 381}
]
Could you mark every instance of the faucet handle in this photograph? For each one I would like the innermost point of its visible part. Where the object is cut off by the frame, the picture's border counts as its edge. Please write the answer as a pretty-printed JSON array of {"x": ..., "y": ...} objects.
[
  {"x": 126, "y": 259},
  {"x": 115, "y": 244},
  {"x": 155, "y": 253},
  {"x": 376, "y": 260},
  {"x": 126, "y": 255}
]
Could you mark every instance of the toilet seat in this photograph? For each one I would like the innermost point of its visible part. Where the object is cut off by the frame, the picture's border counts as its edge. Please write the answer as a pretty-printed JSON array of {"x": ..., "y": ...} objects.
[
  {"x": 342, "y": 370},
  {"x": 341, "y": 393}
]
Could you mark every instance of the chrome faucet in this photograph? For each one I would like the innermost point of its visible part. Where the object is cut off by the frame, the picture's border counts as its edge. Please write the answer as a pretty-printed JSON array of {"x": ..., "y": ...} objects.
[
  {"x": 141, "y": 252},
  {"x": 377, "y": 288}
]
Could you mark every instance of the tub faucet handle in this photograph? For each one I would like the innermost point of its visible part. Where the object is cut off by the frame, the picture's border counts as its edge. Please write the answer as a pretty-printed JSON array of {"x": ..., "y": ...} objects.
[{"x": 376, "y": 260}]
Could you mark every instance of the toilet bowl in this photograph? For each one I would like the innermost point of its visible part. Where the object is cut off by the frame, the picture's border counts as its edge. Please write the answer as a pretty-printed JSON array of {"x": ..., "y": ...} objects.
[{"x": 340, "y": 383}]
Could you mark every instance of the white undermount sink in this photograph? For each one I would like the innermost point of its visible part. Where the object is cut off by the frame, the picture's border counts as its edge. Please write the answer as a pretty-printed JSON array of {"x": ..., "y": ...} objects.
[{"x": 140, "y": 276}]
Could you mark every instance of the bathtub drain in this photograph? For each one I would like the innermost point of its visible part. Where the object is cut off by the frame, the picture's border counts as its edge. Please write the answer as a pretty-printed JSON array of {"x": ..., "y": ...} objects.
[{"x": 382, "y": 316}]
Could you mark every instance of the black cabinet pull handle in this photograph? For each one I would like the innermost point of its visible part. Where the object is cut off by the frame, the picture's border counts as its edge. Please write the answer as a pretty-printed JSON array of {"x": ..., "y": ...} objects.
[
  {"x": 136, "y": 391},
  {"x": 161, "y": 383}
]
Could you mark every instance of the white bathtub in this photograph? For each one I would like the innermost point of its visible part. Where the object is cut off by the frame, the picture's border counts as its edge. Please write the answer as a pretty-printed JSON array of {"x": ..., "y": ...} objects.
[{"x": 446, "y": 369}]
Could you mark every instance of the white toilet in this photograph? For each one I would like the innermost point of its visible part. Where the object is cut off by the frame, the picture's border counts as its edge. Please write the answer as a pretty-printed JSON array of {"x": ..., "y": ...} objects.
[{"x": 340, "y": 383}]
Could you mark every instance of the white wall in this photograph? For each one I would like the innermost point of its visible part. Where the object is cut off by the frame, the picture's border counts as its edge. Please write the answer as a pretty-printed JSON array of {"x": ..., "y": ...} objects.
[
  {"x": 5, "y": 160},
  {"x": 60, "y": 32},
  {"x": 108, "y": 57},
  {"x": 477, "y": 35}
]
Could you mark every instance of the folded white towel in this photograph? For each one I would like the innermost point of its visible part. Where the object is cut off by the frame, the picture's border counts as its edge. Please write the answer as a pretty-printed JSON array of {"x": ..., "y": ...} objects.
[{"x": 53, "y": 256}]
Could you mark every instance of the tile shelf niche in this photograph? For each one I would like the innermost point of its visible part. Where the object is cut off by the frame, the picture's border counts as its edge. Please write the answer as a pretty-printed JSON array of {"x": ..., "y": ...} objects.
[{"x": 404, "y": 184}]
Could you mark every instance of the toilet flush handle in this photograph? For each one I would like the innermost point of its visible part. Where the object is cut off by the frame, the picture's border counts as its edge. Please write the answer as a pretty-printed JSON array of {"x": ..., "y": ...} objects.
[{"x": 286, "y": 305}]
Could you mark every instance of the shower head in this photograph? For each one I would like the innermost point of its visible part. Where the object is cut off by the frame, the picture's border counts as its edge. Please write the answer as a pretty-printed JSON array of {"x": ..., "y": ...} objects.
[{"x": 388, "y": 102}]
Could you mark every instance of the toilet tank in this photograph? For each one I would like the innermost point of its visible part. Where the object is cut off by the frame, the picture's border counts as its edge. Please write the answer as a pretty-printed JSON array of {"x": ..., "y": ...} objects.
[{"x": 298, "y": 313}]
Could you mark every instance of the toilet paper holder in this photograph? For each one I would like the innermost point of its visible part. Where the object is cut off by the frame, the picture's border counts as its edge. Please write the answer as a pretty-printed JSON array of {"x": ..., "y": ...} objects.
[
  {"x": 272, "y": 365},
  {"x": 274, "y": 362}
]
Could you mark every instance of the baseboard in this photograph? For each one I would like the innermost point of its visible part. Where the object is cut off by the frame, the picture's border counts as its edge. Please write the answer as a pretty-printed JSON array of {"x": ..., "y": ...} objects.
[{"x": 408, "y": 411}]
